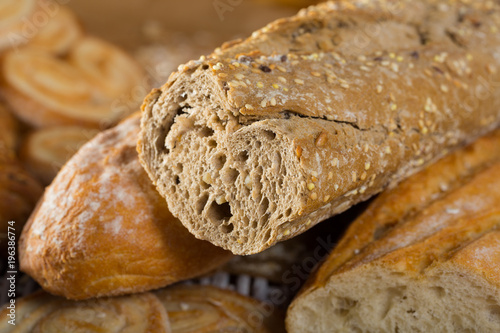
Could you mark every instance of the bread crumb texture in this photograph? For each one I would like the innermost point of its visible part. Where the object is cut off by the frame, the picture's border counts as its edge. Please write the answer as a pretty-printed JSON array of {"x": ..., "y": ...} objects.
[
  {"x": 422, "y": 258},
  {"x": 266, "y": 137}
]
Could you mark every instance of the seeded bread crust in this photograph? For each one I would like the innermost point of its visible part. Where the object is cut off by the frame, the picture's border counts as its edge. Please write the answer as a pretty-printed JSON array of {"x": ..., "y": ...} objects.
[
  {"x": 422, "y": 258},
  {"x": 266, "y": 137}
]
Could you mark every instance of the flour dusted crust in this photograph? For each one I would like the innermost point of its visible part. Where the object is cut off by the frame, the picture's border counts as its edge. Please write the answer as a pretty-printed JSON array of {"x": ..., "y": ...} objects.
[
  {"x": 102, "y": 229},
  {"x": 41, "y": 312},
  {"x": 266, "y": 137},
  {"x": 423, "y": 257}
]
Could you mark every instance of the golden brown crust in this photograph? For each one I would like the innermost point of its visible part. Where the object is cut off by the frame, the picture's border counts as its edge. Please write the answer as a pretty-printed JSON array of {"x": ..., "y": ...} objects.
[
  {"x": 436, "y": 224},
  {"x": 396, "y": 206},
  {"x": 102, "y": 211}
]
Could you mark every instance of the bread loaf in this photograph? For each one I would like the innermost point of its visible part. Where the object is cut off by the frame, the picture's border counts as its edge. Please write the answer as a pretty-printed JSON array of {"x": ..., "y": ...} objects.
[
  {"x": 422, "y": 258},
  {"x": 102, "y": 229},
  {"x": 266, "y": 137}
]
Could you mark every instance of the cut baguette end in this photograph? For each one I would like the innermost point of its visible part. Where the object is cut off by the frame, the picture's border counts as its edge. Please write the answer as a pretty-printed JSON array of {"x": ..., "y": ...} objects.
[
  {"x": 450, "y": 300},
  {"x": 221, "y": 187}
]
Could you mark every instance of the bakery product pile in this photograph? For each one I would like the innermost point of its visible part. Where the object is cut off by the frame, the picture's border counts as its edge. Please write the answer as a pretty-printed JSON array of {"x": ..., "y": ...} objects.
[{"x": 244, "y": 152}]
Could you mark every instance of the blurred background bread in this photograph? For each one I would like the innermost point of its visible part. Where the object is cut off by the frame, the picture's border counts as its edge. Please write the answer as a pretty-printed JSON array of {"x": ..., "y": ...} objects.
[{"x": 19, "y": 191}]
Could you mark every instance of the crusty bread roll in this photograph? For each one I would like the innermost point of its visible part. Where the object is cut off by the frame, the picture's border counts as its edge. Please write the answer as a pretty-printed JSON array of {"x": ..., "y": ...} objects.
[
  {"x": 46, "y": 150},
  {"x": 44, "y": 313},
  {"x": 92, "y": 86},
  {"x": 422, "y": 258},
  {"x": 267, "y": 137},
  {"x": 204, "y": 309},
  {"x": 102, "y": 229}
]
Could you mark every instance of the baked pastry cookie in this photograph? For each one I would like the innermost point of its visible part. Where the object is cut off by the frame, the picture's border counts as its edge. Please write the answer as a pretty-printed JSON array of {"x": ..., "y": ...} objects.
[
  {"x": 44, "y": 313},
  {"x": 92, "y": 86},
  {"x": 204, "y": 309},
  {"x": 46, "y": 150},
  {"x": 13, "y": 16}
]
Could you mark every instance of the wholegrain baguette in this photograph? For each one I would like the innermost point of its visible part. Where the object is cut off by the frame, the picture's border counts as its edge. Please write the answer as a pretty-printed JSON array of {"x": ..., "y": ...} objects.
[
  {"x": 422, "y": 258},
  {"x": 101, "y": 228},
  {"x": 266, "y": 137}
]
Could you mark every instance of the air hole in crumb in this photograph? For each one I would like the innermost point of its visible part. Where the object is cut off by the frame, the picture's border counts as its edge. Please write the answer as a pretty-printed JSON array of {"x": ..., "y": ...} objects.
[
  {"x": 495, "y": 311},
  {"x": 201, "y": 204},
  {"x": 204, "y": 185},
  {"x": 206, "y": 132},
  {"x": 254, "y": 224},
  {"x": 160, "y": 142},
  {"x": 205, "y": 67},
  {"x": 178, "y": 168},
  {"x": 288, "y": 212},
  {"x": 177, "y": 180},
  {"x": 212, "y": 144},
  {"x": 218, "y": 214},
  {"x": 439, "y": 291},
  {"x": 230, "y": 176},
  {"x": 219, "y": 161},
  {"x": 258, "y": 144},
  {"x": 267, "y": 235},
  {"x": 276, "y": 162},
  {"x": 264, "y": 205},
  {"x": 243, "y": 156},
  {"x": 270, "y": 135},
  {"x": 245, "y": 221},
  {"x": 264, "y": 219},
  {"x": 279, "y": 217},
  {"x": 227, "y": 228}
]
